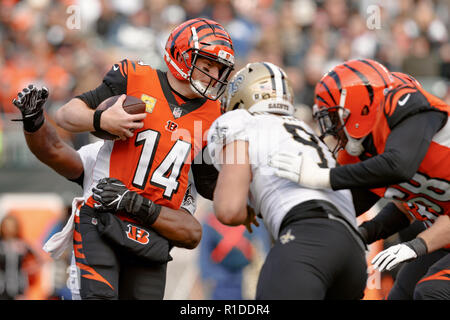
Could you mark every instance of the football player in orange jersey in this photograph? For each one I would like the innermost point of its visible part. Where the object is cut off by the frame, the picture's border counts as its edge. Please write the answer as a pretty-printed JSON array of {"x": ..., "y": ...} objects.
[
  {"x": 393, "y": 138},
  {"x": 156, "y": 150},
  {"x": 178, "y": 226}
]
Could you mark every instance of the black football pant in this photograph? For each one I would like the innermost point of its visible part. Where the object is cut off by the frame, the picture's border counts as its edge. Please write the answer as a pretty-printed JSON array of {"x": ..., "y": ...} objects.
[
  {"x": 319, "y": 259},
  {"x": 425, "y": 278},
  {"x": 107, "y": 271}
]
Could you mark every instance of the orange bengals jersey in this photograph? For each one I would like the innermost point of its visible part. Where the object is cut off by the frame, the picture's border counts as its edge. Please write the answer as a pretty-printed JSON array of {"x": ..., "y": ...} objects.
[
  {"x": 156, "y": 161},
  {"x": 427, "y": 194}
]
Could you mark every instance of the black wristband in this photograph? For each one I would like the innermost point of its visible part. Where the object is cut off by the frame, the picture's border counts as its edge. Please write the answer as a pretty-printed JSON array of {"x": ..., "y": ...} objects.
[
  {"x": 97, "y": 116},
  {"x": 418, "y": 245}
]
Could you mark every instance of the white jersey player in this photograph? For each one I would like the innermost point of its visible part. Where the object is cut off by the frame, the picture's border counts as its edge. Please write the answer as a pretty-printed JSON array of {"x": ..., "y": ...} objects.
[{"x": 318, "y": 252}]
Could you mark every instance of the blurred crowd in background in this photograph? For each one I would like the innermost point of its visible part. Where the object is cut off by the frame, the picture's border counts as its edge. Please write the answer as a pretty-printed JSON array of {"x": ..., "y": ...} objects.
[{"x": 69, "y": 45}]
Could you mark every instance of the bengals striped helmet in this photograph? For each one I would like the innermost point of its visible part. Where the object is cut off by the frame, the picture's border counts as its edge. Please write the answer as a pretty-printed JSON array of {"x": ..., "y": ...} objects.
[
  {"x": 200, "y": 38},
  {"x": 347, "y": 101},
  {"x": 260, "y": 87}
]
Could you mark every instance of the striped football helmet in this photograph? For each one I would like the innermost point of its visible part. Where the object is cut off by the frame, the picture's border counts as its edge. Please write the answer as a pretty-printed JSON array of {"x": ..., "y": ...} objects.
[
  {"x": 200, "y": 38},
  {"x": 347, "y": 101}
]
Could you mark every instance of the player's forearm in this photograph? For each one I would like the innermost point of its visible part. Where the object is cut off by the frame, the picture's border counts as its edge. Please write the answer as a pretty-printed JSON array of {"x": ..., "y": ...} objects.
[
  {"x": 438, "y": 235},
  {"x": 230, "y": 195},
  {"x": 75, "y": 116},
  {"x": 179, "y": 227},
  {"x": 233, "y": 184},
  {"x": 50, "y": 149},
  {"x": 230, "y": 213}
]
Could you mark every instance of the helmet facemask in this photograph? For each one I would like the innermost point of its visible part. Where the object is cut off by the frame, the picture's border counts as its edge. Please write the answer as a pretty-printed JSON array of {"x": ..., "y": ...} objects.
[
  {"x": 332, "y": 122},
  {"x": 216, "y": 86}
]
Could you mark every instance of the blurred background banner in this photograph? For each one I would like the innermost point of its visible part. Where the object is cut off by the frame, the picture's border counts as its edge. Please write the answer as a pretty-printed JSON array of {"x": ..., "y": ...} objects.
[{"x": 69, "y": 45}]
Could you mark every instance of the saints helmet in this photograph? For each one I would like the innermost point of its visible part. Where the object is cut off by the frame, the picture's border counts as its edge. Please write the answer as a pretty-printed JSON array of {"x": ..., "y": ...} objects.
[{"x": 260, "y": 87}]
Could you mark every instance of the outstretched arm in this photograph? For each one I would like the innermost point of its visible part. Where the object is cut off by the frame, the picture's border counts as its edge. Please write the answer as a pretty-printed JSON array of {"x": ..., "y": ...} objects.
[
  {"x": 42, "y": 138},
  {"x": 405, "y": 149},
  {"x": 432, "y": 239}
]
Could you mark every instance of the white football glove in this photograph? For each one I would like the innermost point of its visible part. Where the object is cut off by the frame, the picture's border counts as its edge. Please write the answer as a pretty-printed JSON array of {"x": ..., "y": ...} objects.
[
  {"x": 301, "y": 169},
  {"x": 391, "y": 257}
]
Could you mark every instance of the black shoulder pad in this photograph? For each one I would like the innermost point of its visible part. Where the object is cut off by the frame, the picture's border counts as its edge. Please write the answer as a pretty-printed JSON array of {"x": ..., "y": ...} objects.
[{"x": 117, "y": 77}]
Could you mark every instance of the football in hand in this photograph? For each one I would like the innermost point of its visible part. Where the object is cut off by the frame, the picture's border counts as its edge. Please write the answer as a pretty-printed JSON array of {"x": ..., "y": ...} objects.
[{"x": 131, "y": 105}]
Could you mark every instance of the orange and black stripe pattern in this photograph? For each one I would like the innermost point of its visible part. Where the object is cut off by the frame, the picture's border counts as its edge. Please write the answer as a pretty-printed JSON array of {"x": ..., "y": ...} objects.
[
  {"x": 365, "y": 72},
  {"x": 441, "y": 275},
  {"x": 209, "y": 33},
  {"x": 85, "y": 270}
]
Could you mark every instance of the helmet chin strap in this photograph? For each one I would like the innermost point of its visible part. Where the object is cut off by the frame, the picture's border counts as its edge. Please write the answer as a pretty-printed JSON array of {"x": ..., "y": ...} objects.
[{"x": 353, "y": 146}]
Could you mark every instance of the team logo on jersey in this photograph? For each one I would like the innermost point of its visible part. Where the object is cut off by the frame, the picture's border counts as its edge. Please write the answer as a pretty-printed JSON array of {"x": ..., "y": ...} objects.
[
  {"x": 171, "y": 126},
  {"x": 188, "y": 198},
  {"x": 149, "y": 103},
  {"x": 219, "y": 134},
  {"x": 177, "y": 111},
  {"x": 137, "y": 234}
]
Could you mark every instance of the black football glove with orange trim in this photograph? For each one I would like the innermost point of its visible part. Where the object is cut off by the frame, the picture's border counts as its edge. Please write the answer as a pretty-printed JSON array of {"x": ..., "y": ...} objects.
[{"x": 30, "y": 101}]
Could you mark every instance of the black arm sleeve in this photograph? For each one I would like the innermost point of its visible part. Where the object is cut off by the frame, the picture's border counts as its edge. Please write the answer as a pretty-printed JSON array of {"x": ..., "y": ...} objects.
[
  {"x": 363, "y": 200},
  {"x": 387, "y": 222},
  {"x": 205, "y": 176},
  {"x": 405, "y": 149},
  {"x": 94, "y": 97}
]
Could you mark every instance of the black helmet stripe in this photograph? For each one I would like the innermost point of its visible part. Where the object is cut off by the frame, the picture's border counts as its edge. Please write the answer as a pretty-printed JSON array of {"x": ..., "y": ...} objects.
[
  {"x": 336, "y": 79},
  {"x": 328, "y": 90},
  {"x": 217, "y": 42},
  {"x": 277, "y": 78},
  {"x": 400, "y": 79},
  {"x": 175, "y": 37},
  {"x": 378, "y": 72},
  {"x": 283, "y": 81},
  {"x": 321, "y": 99},
  {"x": 364, "y": 80},
  {"x": 272, "y": 75}
]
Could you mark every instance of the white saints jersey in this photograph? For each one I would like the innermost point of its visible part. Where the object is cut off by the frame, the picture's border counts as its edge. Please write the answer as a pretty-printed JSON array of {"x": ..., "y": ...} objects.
[
  {"x": 89, "y": 154},
  {"x": 267, "y": 135}
]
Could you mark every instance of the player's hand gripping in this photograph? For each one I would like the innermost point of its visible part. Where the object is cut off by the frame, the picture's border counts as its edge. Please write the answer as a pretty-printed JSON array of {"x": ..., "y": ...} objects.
[
  {"x": 112, "y": 196},
  {"x": 30, "y": 102},
  {"x": 300, "y": 169},
  {"x": 117, "y": 121},
  {"x": 391, "y": 257}
]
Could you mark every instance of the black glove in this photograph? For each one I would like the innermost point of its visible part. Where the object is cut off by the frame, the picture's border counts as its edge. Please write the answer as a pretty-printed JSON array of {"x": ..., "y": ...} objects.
[
  {"x": 113, "y": 196},
  {"x": 30, "y": 102}
]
